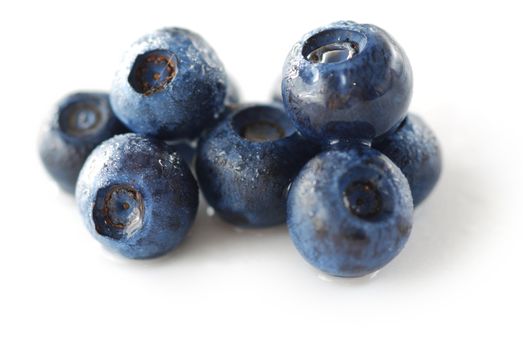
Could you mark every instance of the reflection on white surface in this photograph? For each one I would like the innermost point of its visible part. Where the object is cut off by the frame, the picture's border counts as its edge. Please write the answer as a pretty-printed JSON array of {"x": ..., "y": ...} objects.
[{"x": 445, "y": 226}]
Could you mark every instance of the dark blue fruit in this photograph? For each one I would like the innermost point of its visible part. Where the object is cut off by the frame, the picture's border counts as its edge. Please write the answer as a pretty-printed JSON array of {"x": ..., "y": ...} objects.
[
  {"x": 246, "y": 163},
  {"x": 169, "y": 85},
  {"x": 184, "y": 148},
  {"x": 414, "y": 148},
  {"x": 136, "y": 197},
  {"x": 350, "y": 211},
  {"x": 81, "y": 121},
  {"x": 346, "y": 81}
]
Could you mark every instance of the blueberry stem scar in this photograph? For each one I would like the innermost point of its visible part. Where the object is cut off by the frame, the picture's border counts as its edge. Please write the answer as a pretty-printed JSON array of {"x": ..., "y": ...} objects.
[
  {"x": 153, "y": 71},
  {"x": 262, "y": 130},
  {"x": 81, "y": 119},
  {"x": 334, "y": 52},
  {"x": 363, "y": 199},
  {"x": 123, "y": 209}
]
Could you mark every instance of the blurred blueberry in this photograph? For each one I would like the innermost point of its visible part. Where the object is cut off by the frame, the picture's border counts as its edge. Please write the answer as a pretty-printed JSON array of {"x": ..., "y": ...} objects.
[
  {"x": 170, "y": 85},
  {"x": 346, "y": 81},
  {"x": 276, "y": 92},
  {"x": 350, "y": 211},
  {"x": 233, "y": 95},
  {"x": 246, "y": 163},
  {"x": 414, "y": 148},
  {"x": 81, "y": 121},
  {"x": 136, "y": 197}
]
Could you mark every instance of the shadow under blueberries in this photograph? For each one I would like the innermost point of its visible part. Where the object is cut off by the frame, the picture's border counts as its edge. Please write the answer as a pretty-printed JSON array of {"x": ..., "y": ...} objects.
[
  {"x": 212, "y": 239},
  {"x": 447, "y": 225}
]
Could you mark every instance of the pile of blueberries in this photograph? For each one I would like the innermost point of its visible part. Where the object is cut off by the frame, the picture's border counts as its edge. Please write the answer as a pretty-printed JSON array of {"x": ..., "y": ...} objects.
[{"x": 336, "y": 154}]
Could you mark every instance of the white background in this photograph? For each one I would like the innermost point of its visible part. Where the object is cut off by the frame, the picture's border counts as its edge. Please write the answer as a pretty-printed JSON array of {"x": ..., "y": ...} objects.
[{"x": 456, "y": 284}]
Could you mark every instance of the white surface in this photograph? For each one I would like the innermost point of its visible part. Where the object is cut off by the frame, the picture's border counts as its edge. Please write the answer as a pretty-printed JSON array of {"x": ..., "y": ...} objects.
[{"x": 457, "y": 283}]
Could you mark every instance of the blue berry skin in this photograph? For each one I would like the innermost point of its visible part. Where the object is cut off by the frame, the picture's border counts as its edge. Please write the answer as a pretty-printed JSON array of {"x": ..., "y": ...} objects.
[
  {"x": 136, "y": 197},
  {"x": 349, "y": 211},
  {"x": 246, "y": 163},
  {"x": 414, "y": 148},
  {"x": 346, "y": 81},
  {"x": 184, "y": 148},
  {"x": 170, "y": 85},
  {"x": 228, "y": 109},
  {"x": 80, "y": 122}
]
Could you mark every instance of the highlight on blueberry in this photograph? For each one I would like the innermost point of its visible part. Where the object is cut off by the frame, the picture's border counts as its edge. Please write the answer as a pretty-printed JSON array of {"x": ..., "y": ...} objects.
[
  {"x": 346, "y": 81},
  {"x": 350, "y": 211},
  {"x": 185, "y": 149},
  {"x": 414, "y": 148},
  {"x": 136, "y": 196},
  {"x": 246, "y": 163},
  {"x": 169, "y": 85},
  {"x": 80, "y": 122}
]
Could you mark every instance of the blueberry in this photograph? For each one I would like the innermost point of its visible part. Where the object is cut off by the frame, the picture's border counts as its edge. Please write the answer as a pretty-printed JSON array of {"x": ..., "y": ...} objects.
[
  {"x": 81, "y": 121},
  {"x": 276, "y": 93},
  {"x": 184, "y": 148},
  {"x": 346, "y": 81},
  {"x": 350, "y": 211},
  {"x": 169, "y": 85},
  {"x": 227, "y": 110},
  {"x": 246, "y": 163},
  {"x": 414, "y": 148},
  {"x": 136, "y": 197}
]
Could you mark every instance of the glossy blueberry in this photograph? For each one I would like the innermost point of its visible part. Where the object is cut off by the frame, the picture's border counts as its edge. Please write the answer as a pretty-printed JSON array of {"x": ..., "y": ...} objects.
[
  {"x": 169, "y": 85},
  {"x": 414, "y": 148},
  {"x": 246, "y": 163},
  {"x": 136, "y": 197},
  {"x": 80, "y": 122},
  {"x": 346, "y": 81},
  {"x": 349, "y": 211}
]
